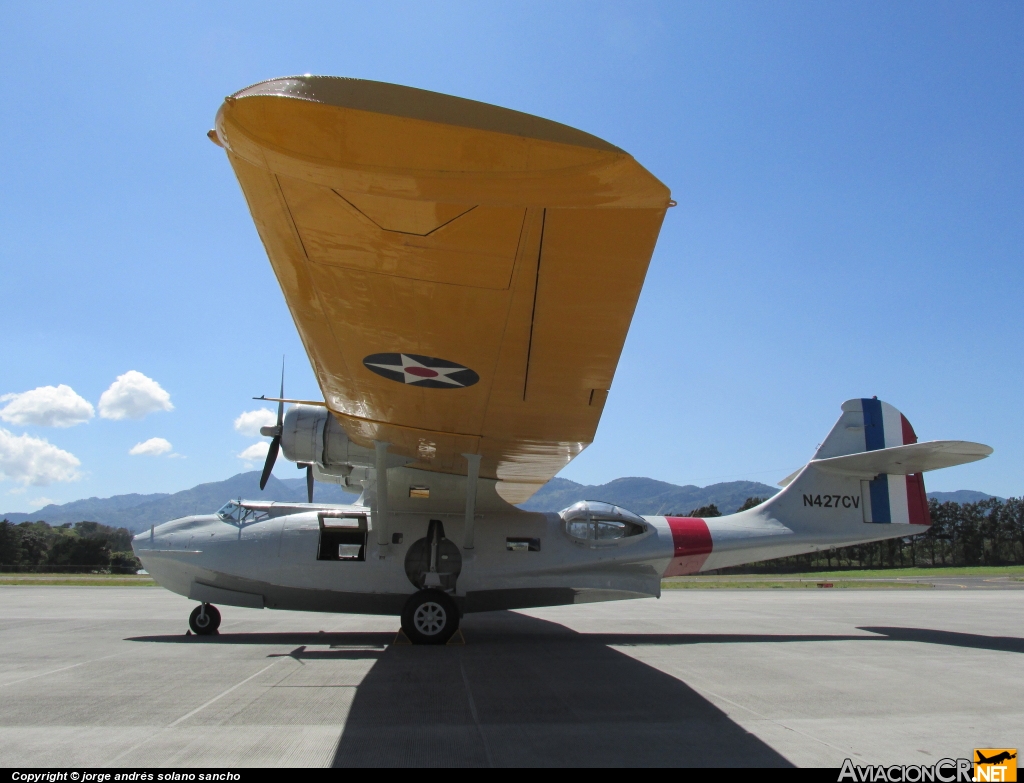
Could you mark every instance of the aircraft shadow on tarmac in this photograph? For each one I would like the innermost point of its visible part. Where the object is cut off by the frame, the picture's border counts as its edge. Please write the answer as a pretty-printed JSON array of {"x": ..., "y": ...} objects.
[
  {"x": 951, "y": 638},
  {"x": 526, "y": 691},
  {"x": 372, "y": 643},
  {"x": 522, "y": 691},
  {"x": 354, "y": 639}
]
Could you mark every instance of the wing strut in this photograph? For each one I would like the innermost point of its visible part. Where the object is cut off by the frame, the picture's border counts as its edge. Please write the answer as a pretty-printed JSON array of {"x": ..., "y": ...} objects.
[
  {"x": 471, "y": 480},
  {"x": 380, "y": 514}
]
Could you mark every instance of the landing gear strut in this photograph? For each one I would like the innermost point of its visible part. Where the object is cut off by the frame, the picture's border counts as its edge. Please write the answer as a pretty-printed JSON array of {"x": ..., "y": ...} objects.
[
  {"x": 430, "y": 617},
  {"x": 204, "y": 620}
]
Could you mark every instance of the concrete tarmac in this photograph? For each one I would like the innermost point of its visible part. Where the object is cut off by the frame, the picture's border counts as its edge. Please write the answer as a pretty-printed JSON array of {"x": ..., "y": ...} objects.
[{"x": 105, "y": 676}]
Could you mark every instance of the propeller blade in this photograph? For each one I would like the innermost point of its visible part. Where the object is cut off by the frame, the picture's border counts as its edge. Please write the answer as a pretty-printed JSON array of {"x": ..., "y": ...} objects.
[
  {"x": 309, "y": 482},
  {"x": 280, "y": 404},
  {"x": 275, "y": 446}
]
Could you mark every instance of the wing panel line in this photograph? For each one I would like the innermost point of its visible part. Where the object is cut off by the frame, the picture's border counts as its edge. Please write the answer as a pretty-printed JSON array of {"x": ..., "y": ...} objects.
[
  {"x": 307, "y": 260},
  {"x": 533, "y": 311}
]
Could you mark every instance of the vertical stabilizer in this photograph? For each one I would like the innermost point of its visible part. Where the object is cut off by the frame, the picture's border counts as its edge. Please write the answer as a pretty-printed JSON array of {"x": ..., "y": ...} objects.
[{"x": 868, "y": 424}]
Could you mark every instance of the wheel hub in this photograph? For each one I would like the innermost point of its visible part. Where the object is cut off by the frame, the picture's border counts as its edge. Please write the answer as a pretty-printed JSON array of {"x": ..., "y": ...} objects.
[{"x": 429, "y": 618}]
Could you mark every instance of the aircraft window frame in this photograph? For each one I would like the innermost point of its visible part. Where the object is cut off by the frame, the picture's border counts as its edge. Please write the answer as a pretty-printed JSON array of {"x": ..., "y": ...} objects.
[
  {"x": 594, "y": 523},
  {"x": 239, "y": 514},
  {"x": 343, "y": 537}
]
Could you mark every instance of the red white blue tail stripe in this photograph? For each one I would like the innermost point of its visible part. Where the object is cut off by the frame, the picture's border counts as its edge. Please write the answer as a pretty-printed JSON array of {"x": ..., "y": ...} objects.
[{"x": 893, "y": 499}]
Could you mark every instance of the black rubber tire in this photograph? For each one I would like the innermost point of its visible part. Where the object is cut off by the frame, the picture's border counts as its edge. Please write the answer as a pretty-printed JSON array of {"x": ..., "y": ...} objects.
[
  {"x": 195, "y": 622},
  {"x": 430, "y": 617}
]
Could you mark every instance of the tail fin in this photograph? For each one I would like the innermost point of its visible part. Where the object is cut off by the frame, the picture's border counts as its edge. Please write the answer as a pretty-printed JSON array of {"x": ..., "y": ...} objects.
[
  {"x": 868, "y": 470},
  {"x": 866, "y": 425},
  {"x": 875, "y": 448}
]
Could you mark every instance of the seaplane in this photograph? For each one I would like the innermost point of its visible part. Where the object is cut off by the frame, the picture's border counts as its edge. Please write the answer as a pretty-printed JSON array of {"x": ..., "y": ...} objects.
[{"x": 462, "y": 277}]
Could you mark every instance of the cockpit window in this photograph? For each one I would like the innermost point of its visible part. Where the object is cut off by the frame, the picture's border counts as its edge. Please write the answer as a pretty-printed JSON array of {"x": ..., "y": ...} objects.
[
  {"x": 234, "y": 512},
  {"x": 591, "y": 520},
  {"x": 230, "y": 510}
]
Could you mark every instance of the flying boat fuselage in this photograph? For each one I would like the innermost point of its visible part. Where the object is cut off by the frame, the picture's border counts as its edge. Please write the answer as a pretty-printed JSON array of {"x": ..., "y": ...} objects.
[{"x": 292, "y": 561}]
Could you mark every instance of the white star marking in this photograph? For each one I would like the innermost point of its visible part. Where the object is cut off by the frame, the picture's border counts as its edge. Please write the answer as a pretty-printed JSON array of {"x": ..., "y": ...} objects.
[{"x": 407, "y": 362}]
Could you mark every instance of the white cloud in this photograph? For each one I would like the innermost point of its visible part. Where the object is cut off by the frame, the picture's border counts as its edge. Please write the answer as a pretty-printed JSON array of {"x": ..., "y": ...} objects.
[
  {"x": 249, "y": 423},
  {"x": 35, "y": 461},
  {"x": 257, "y": 452},
  {"x": 133, "y": 396},
  {"x": 46, "y": 406},
  {"x": 153, "y": 447},
  {"x": 40, "y": 502}
]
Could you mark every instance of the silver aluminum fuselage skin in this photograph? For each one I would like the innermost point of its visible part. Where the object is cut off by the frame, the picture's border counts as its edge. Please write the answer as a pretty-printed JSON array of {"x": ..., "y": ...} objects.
[{"x": 276, "y": 558}]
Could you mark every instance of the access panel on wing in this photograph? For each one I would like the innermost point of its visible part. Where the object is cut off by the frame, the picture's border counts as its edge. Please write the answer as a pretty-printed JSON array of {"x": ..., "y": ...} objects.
[{"x": 460, "y": 244}]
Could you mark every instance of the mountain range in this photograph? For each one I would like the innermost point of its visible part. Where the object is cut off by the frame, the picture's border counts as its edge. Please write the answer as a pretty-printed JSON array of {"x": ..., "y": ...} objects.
[
  {"x": 138, "y": 512},
  {"x": 648, "y": 496},
  {"x": 642, "y": 495}
]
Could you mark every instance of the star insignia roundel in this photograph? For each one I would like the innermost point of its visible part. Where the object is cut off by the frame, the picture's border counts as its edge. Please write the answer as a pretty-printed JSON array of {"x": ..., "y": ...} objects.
[{"x": 416, "y": 370}]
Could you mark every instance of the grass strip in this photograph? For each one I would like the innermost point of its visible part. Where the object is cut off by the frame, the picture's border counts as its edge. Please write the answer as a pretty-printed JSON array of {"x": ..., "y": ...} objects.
[
  {"x": 78, "y": 580},
  {"x": 889, "y": 573},
  {"x": 722, "y": 583}
]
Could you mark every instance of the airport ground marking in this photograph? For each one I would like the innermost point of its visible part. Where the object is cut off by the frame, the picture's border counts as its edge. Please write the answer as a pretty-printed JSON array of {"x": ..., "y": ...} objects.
[
  {"x": 219, "y": 696},
  {"x": 188, "y": 715},
  {"x": 473, "y": 712},
  {"x": 62, "y": 669}
]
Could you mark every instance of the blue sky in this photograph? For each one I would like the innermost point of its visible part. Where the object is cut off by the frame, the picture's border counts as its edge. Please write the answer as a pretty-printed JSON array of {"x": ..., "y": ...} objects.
[{"x": 849, "y": 179}]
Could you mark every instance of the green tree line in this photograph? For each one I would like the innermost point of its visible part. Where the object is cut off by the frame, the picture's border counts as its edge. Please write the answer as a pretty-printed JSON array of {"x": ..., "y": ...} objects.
[
  {"x": 987, "y": 533},
  {"x": 82, "y": 546}
]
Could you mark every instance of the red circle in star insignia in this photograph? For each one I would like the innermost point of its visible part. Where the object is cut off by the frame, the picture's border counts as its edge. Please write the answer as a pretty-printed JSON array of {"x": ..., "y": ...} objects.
[{"x": 413, "y": 369}]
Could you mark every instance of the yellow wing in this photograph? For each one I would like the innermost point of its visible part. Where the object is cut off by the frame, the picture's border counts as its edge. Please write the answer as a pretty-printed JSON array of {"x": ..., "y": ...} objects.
[{"x": 462, "y": 276}]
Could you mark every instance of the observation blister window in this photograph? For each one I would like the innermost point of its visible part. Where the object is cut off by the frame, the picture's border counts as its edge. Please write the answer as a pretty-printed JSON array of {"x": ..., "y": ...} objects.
[{"x": 594, "y": 521}]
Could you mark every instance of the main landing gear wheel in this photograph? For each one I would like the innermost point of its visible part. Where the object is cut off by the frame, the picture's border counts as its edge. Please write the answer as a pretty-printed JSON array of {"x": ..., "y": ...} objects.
[
  {"x": 205, "y": 619},
  {"x": 430, "y": 617}
]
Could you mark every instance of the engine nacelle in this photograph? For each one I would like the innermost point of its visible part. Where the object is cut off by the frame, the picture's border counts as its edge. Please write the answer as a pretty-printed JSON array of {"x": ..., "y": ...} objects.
[{"x": 312, "y": 434}]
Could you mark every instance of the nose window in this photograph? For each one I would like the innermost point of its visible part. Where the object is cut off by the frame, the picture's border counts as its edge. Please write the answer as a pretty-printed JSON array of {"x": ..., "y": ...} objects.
[{"x": 591, "y": 520}]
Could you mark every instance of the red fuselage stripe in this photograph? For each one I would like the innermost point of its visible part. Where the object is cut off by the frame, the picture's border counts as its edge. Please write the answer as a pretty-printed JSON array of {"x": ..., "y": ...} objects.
[{"x": 692, "y": 541}]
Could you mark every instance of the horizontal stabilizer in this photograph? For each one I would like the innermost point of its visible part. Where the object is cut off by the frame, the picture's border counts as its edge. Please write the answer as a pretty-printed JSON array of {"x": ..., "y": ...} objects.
[
  {"x": 789, "y": 479},
  {"x": 905, "y": 460}
]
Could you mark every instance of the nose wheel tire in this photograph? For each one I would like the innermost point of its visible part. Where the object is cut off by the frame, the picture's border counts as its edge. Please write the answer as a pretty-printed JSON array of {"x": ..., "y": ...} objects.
[
  {"x": 204, "y": 620},
  {"x": 430, "y": 617}
]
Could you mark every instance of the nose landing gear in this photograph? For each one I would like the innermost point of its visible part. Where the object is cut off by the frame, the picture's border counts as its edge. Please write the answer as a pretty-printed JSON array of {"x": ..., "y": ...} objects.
[
  {"x": 430, "y": 617},
  {"x": 205, "y": 619}
]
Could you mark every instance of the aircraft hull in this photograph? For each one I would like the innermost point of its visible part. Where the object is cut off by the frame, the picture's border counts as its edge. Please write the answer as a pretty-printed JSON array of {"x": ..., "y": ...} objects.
[
  {"x": 276, "y": 561},
  {"x": 273, "y": 563}
]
